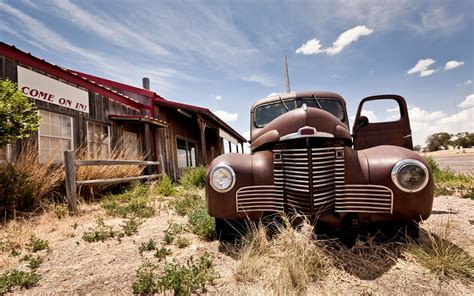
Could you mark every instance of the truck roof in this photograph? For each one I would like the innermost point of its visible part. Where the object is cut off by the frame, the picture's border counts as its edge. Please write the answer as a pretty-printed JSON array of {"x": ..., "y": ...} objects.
[{"x": 292, "y": 95}]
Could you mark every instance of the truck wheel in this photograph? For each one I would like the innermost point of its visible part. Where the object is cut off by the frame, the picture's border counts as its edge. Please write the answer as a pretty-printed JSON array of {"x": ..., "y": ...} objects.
[{"x": 229, "y": 229}]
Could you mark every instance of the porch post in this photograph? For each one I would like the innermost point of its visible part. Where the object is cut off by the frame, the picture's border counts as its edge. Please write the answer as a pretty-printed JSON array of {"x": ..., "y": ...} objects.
[{"x": 202, "y": 129}]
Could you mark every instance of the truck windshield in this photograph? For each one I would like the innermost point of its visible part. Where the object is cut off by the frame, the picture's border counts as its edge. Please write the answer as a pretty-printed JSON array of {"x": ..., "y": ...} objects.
[{"x": 266, "y": 113}]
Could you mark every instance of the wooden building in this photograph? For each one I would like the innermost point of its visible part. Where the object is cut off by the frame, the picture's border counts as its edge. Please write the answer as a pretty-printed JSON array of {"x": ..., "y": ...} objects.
[{"x": 80, "y": 110}]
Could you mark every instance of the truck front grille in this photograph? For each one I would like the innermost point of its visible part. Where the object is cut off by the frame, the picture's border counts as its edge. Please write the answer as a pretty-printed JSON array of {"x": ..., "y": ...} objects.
[
  {"x": 308, "y": 178},
  {"x": 310, "y": 181}
]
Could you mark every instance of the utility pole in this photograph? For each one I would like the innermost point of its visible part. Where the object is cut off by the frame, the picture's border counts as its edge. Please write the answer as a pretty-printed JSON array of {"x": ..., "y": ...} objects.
[{"x": 287, "y": 78}]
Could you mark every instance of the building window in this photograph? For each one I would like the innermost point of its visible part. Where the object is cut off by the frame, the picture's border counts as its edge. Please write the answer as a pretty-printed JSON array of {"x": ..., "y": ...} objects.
[
  {"x": 55, "y": 136},
  {"x": 132, "y": 145},
  {"x": 230, "y": 147},
  {"x": 98, "y": 140},
  {"x": 186, "y": 153}
]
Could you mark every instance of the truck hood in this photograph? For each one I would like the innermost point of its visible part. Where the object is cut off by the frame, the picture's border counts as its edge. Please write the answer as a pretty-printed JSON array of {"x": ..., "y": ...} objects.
[{"x": 298, "y": 123}]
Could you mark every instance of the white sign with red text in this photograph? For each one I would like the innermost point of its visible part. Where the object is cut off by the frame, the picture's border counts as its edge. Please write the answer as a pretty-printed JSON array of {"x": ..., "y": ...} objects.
[{"x": 44, "y": 88}]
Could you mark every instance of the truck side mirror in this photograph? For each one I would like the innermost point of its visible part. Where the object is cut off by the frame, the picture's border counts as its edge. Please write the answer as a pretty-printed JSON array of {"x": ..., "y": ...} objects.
[{"x": 361, "y": 121}]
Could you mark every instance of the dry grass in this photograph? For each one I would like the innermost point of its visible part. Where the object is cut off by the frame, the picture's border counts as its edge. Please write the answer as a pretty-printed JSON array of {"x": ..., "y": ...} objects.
[
  {"x": 104, "y": 171},
  {"x": 43, "y": 178},
  {"x": 26, "y": 184},
  {"x": 442, "y": 257},
  {"x": 287, "y": 263}
]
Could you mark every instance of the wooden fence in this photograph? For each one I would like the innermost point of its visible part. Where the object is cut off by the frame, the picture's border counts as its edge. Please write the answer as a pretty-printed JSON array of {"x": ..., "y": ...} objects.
[{"x": 70, "y": 164}]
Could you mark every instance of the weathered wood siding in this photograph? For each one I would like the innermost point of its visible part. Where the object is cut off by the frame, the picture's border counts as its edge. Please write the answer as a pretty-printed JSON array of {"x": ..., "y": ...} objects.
[{"x": 100, "y": 108}]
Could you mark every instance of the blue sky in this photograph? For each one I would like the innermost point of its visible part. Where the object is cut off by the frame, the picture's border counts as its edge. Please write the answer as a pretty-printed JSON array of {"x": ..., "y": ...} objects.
[{"x": 224, "y": 55}]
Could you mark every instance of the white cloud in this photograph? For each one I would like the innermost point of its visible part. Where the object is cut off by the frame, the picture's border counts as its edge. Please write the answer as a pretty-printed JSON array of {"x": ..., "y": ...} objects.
[
  {"x": 422, "y": 67},
  {"x": 417, "y": 114},
  {"x": 467, "y": 103},
  {"x": 312, "y": 46},
  {"x": 437, "y": 20},
  {"x": 246, "y": 135},
  {"x": 452, "y": 65},
  {"x": 108, "y": 28},
  {"x": 347, "y": 38},
  {"x": 467, "y": 82},
  {"x": 261, "y": 79},
  {"x": 396, "y": 108},
  {"x": 218, "y": 97},
  {"x": 370, "y": 115},
  {"x": 427, "y": 72},
  {"x": 461, "y": 121},
  {"x": 272, "y": 94},
  {"x": 424, "y": 123},
  {"x": 226, "y": 116}
]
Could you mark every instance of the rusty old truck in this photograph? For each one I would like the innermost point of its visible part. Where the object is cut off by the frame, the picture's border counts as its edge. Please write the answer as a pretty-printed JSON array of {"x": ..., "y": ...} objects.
[{"x": 304, "y": 160}]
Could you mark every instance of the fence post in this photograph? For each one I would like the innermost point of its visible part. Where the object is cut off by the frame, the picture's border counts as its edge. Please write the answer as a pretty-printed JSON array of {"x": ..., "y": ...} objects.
[
  {"x": 70, "y": 170},
  {"x": 162, "y": 164}
]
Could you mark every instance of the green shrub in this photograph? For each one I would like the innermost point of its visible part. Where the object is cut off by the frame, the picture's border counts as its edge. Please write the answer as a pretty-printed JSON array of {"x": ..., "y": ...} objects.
[
  {"x": 148, "y": 246},
  {"x": 145, "y": 283},
  {"x": 449, "y": 182},
  {"x": 184, "y": 205},
  {"x": 15, "y": 278},
  {"x": 174, "y": 228},
  {"x": 14, "y": 191},
  {"x": 18, "y": 116},
  {"x": 101, "y": 232},
  {"x": 194, "y": 177},
  {"x": 432, "y": 164},
  {"x": 35, "y": 262},
  {"x": 131, "y": 226},
  {"x": 202, "y": 224},
  {"x": 182, "y": 242},
  {"x": 131, "y": 203},
  {"x": 37, "y": 244},
  {"x": 165, "y": 186},
  {"x": 186, "y": 279},
  {"x": 168, "y": 239},
  {"x": 162, "y": 253}
]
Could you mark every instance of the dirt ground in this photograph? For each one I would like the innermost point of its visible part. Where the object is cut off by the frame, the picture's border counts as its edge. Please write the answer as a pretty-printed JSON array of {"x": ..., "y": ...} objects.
[{"x": 74, "y": 266}]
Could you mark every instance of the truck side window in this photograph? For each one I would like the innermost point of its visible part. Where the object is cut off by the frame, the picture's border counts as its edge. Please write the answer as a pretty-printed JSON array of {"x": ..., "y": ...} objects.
[{"x": 382, "y": 110}]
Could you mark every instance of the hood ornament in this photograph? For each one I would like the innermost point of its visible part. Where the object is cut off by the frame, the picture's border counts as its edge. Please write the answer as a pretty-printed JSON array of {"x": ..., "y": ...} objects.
[
  {"x": 305, "y": 108},
  {"x": 306, "y": 132}
]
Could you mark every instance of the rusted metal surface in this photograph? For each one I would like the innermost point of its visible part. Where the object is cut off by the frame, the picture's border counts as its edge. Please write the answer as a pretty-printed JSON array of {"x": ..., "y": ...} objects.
[{"x": 303, "y": 162}]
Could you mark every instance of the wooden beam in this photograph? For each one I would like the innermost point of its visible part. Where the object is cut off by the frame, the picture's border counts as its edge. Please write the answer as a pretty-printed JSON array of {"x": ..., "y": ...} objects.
[
  {"x": 115, "y": 162},
  {"x": 117, "y": 180},
  {"x": 202, "y": 128},
  {"x": 148, "y": 148}
]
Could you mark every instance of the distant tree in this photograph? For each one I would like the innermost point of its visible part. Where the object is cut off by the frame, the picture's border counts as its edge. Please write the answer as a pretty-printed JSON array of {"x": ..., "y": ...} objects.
[
  {"x": 417, "y": 148},
  {"x": 438, "y": 141},
  {"x": 18, "y": 116},
  {"x": 465, "y": 140}
]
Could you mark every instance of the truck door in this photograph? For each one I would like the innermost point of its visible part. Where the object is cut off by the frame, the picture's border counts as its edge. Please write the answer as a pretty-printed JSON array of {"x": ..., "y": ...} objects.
[{"x": 393, "y": 129}]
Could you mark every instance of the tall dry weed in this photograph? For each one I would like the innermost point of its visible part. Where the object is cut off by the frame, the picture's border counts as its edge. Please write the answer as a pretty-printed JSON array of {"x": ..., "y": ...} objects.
[
  {"x": 26, "y": 183},
  {"x": 286, "y": 263},
  {"x": 44, "y": 177},
  {"x": 442, "y": 257},
  {"x": 105, "y": 171}
]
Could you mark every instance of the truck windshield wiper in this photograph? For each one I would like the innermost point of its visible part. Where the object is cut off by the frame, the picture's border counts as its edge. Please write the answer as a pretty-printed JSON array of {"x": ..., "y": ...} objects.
[
  {"x": 317, "y": 102},
  {"x": 286, "y": 107}
]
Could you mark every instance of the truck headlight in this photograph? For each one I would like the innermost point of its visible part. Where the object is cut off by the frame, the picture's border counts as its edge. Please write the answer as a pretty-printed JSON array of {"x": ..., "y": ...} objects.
[
  {"x": 410, "y": 175},
  {"x": 222, "y": 178}
]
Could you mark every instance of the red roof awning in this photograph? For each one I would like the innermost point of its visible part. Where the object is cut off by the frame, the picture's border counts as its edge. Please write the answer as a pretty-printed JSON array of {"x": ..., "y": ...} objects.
[{"x": 131, "y": 119}]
